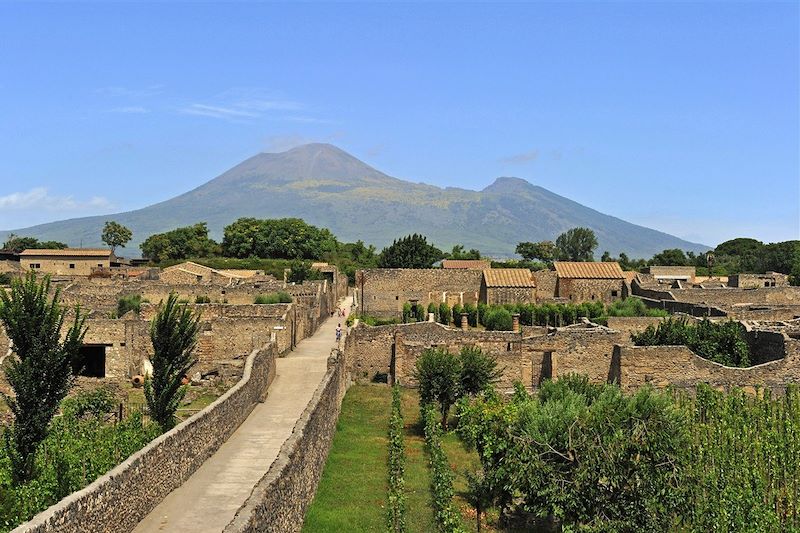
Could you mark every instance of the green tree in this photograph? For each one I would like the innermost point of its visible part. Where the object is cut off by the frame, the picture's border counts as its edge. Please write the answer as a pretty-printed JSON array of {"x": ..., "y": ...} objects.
[
  {"x": 180, "y": 243},
  {"x": 478, "y": 370},
  {"x": 670, "y": 257},
  {"x": 438, "y": 373},
  {"x": 576, "y": 244},
  {"x": 544, "y": 251},
  {"x": 458, "y": 252},
  {"x": 299, "y": 271},
  {"x": 173, "y": 332},
  {"x": 41, "y": 373},
  {"x": 283, "y": 238},
  {"x": 18, "y": 244},
  {"x": 499, "y": 319},
  {"x": 412, "y": 251},
  {"x": 115, "y": 234}
]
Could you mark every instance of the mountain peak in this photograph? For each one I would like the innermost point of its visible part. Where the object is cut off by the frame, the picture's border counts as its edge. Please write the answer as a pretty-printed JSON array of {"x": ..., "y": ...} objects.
[{"x": 508, "y": 185}]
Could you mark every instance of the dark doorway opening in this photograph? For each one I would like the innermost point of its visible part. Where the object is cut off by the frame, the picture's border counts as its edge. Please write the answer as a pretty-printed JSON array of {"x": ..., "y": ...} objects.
[{"x": 91, "y": 361}]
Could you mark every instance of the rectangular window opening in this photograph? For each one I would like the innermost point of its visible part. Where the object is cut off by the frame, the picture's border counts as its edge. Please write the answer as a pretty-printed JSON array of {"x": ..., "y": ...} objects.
[{"x": 91, "y": 361}]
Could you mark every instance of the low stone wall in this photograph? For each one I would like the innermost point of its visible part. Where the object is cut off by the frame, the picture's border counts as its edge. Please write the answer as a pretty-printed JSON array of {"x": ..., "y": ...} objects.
[
  {"x": 678, "y": 366},
  {"x": 632, "y": 324},
  {"x": 118, "y": 500},
  {"x": 280, "y": 499}
]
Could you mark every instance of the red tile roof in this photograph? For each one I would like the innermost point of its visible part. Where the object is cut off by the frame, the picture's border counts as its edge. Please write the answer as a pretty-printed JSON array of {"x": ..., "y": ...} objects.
[
  {"x": 71, "y": 252},
  {"x": 469, "y": 264},
  {"x": 588, "y": 270},
  {"x": 508, "y": 277}
]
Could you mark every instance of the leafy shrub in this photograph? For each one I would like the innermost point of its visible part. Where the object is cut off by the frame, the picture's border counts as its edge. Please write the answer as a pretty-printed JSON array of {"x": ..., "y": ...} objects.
[
  {"x": 499, "y": 319},
  {"x": 419, "y": 312},
  {"x": 472, "y": 314},
  {"x": 407, "y": 314},
  {"x": 131, "y": 302},
  {"x": 438, "y": 373},
  {"x": 633, "y": 307},
  {"x": 478, "y": 370},
  {"x": 202, "y": 299},
  {"x": 721, "y": 342},
  {"x": 433, "y": 308},
  {"x": 273, "y": 298},
  {"x": 396, "y": 504},
  {"x": 457, "y": 310},
  {"x": 445, "y": 314},
  {"x": 96, "y": 403},
  {"x": 444, "y": 512},
  {"x": 585, "y": 455}
]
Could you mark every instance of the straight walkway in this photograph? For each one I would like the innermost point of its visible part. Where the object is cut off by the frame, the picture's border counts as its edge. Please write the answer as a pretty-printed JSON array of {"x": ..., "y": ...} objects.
[{"x": 209, "y": 499}]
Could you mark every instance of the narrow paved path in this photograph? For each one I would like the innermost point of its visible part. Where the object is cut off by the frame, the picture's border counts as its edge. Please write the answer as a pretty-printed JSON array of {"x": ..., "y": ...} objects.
[{"x": 209, "y": 499}]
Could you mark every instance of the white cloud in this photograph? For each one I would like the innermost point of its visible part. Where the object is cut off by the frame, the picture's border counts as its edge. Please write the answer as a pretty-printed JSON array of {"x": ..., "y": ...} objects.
[
  {"x": 218, "y": 111},
  {"x": 40, "y": 198}
]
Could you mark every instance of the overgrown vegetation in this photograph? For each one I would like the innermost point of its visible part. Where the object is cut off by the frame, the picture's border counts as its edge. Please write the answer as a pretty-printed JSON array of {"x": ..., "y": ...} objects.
[
  {"x": 583, "y": 456},
  {"x": 443, "y": 377},
  {"x": 721, "y": 342},
  {"x": 412, "y": 251},
  {"x": 173, "y": 333},
  {"x": 130, "y": 302},
  {"x": 41, "y": 373},
  {"x": 17, "y": 244},
  {"x": 279, "y": 297},
  {"x": 445, "y": 514},
  {"x": 83, "y": 444},
  {"x": 370, "y": 320},
  {"x": 396, "y": 498}
]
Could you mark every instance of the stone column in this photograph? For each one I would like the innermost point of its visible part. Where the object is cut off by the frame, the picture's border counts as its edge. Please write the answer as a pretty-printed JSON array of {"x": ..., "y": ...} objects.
[
  {"x": 431, "y": 317},
  {"x": 464, "y": 321},
  {"x": 515, "y": 322}
]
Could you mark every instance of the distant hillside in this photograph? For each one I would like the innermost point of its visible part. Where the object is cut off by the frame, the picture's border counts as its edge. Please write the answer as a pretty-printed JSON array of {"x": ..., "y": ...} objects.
[{"x": 328, "y": 187}]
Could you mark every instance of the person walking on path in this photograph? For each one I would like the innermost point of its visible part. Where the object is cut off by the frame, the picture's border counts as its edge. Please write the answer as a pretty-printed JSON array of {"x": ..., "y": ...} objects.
[{"x": 338, "y": 333}]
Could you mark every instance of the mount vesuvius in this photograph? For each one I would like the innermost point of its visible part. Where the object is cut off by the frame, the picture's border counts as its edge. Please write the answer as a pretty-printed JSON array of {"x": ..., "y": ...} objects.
[{"x": 328, "y": 187}]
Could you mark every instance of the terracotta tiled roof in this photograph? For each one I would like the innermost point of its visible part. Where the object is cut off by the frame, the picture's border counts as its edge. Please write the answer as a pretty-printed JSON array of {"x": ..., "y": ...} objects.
[
  {"x": 579, "y": 270},
  {"x": 469, "y": 264},
  {"x": 71, "y": 252},
  {"x": 508, "y": 277},
  {"x": 630, "y": 275}
]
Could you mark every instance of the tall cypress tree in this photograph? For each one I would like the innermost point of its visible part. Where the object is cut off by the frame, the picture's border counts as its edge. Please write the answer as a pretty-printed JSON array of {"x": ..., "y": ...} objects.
[{"x": 41, "y": 373}]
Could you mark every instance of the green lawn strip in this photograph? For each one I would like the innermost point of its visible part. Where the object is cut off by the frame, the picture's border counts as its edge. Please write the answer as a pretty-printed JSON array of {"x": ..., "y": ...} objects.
[
  {"x": 419, "y": 513},
  {"x": 352, "y": 492}
]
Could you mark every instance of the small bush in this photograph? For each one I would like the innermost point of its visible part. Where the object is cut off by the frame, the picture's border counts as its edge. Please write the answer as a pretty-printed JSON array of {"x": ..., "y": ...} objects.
[
  {"x": 499, "y": 319},
  {"x": 445, "y": 314},
  {"x": 396, "y": 504},
  {"x": 202, "y": 299},
  {"x": 131, "y": 302},
  {"x": 722, "y": 342},
  {"x": 445, "y": 513},
  {"x": 273, "y": 298}
]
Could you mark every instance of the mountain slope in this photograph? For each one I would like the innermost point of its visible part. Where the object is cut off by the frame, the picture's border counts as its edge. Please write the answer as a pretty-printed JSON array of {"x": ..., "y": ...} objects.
[{"x": 328, "y": 187}]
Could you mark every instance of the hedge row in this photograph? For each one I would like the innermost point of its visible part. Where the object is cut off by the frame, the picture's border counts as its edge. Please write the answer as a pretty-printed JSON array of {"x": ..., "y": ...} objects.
[
  {"x": 396, "y": 507},
  {"x": 445, "y": 514}
]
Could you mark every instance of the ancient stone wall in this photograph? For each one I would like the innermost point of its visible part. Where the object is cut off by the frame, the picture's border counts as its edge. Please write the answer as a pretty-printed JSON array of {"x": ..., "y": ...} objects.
[
  {"x": 383, "y": 291},
  {"x": 590, "y": 290},
  {"x": 678, "y": 366},
  {"x": 279, "y": 501},
  {"x": 509, "y": 295},
  {"x": 752, "y": 281},
  {"x": 632, "y": 324},
  {"x": 119, "y": 499},
  {"x": 546, "y": 284}
]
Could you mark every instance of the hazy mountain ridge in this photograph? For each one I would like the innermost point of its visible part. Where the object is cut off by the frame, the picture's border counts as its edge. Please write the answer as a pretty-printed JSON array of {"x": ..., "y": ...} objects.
[{"x": 328, "y": 187}]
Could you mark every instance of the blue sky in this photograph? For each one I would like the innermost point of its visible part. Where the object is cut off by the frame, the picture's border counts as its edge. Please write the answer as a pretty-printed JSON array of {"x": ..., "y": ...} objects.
[{"x": 679, "y": 116}]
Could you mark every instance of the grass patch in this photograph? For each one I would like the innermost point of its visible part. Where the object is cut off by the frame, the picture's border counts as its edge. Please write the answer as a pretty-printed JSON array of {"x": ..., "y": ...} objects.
[{"x": 352, "y": 492}]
